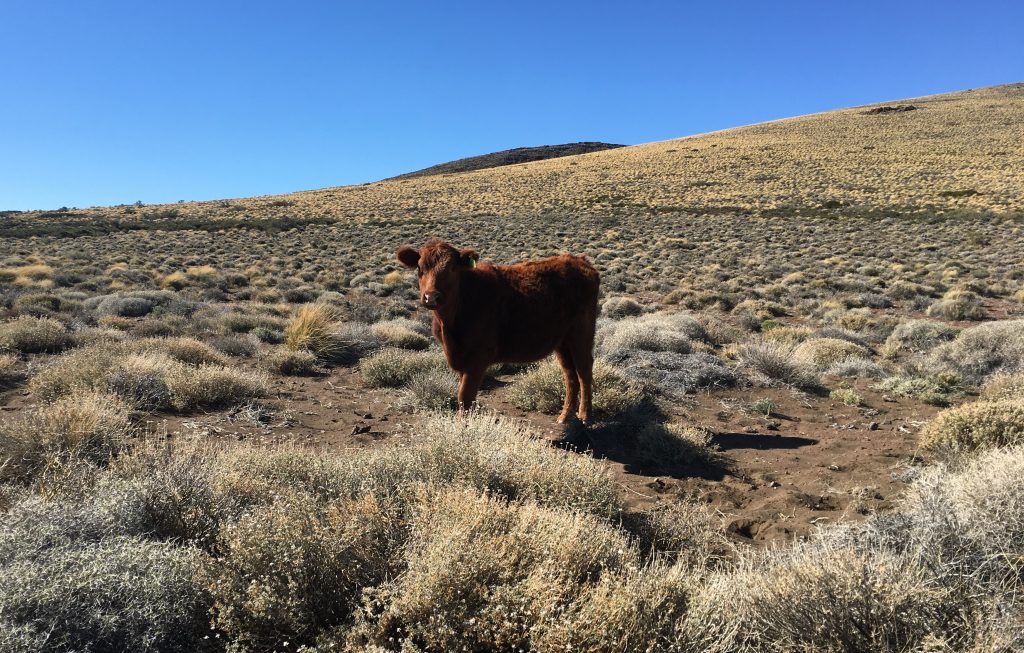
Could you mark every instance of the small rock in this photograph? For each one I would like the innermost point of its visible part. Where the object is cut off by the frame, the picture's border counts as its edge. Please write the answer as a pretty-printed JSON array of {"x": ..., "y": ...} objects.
[
  {"x": 873, "y": 426},
  {"x": 360, "y": 428}
]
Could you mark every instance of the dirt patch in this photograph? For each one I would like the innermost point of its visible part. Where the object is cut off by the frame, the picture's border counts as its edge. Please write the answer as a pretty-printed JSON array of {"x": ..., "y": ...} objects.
[{"x": 812, "y": 461}]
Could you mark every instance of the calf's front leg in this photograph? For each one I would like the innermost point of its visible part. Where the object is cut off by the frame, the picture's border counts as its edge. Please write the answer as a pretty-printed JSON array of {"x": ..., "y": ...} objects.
[{"x": 469, "y": 386}]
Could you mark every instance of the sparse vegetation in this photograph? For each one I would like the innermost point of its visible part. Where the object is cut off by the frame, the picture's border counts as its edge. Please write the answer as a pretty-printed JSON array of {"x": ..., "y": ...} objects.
[
  {"x": 160, "y": 491},
  {"x": 542, "y": 389}
]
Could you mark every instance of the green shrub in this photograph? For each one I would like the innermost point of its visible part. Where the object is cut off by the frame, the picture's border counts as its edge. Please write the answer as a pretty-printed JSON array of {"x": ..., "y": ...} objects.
[
  {"x": 935, "y": 389},
  {"x": 847, "y": 396}
]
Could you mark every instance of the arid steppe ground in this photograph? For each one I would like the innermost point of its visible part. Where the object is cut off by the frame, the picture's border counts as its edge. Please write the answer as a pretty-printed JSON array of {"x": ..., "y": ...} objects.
[{"x": 810, "y": 386}]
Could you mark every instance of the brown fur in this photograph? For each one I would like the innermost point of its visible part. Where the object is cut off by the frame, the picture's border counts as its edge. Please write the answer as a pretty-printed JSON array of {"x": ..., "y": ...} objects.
[{"x": 486, "y": 314}]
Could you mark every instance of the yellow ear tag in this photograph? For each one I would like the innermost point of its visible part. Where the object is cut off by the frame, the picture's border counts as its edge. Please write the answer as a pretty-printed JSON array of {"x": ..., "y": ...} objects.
[{"x": 472, "y": 263}]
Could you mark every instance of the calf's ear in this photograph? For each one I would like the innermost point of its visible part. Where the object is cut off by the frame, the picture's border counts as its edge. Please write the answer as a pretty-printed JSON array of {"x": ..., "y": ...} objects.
[
  {"x": 469, "y": 257},
  {"x": 407, "y": 256}
]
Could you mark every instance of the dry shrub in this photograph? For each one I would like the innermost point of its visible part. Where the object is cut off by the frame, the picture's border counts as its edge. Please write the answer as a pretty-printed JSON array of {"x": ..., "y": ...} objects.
[
  {"x": 290, "y": 569},
  {"x": 484, "y": 574},
  {"x": 822, "y": 353},
  {"x": 91, "y": 336},
  {"x": 657, "y": 332},
  {"x": 817, "y": 597},
  {"x": 973, "y": 426},
  {"x": 630, "y": 610},
  {"x": 857, "y": 367},
  {"x": 118, "y": 594},
  {"x": 168, "y": 493},
  {"x": 680, "y": 532},
  {"x": 148, "y": 380},
  {"x": 288, "y": 362},
  {"x": 981, "y": 351},
  {"x": 776, "y": 362},
  {"x": 81, "y": 369},
  {"x": 401, "y": 333},
  {"x": 620, "y": 307},
  {"x": 433, "y": 389},
  {"x": 918, "y": 336},
  {"x": 89, "y": 426},
  {"x": 396, "y": 368},
  {"x": 480, "y": 450},
  {"x": 186, "y": 350},
  {"x": 542, "y": 388},
  {"x": 958, "y": 305},
  {"x": 789, "y": 335},
  {"x": 665, "y": 447},
  {"x": 8, "y": 370},
  {"x": 34, "y": 335},
  {"x": 1003, "y": 387}
]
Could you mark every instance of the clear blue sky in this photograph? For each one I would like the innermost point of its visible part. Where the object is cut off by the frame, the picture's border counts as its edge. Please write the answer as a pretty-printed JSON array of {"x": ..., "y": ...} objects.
[{"x": 106, "y": 102}]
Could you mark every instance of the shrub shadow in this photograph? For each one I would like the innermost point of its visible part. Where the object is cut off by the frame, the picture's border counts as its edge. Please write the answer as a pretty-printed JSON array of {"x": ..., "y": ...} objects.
[{"x": 616, "y": 440}]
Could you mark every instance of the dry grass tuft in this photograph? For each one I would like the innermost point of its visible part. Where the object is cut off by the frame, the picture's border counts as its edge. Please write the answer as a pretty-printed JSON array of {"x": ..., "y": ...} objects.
[
  {"x": 89, "y": 426},
  {"x": 772, "y": 362},
  {"x": 820, "y": 354},
  {"x": 313, "y": 329}
]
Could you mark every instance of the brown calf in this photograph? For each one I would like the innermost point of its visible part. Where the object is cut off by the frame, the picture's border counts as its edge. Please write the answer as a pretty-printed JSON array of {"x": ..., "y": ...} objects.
[{"x": 485, "y": 314}]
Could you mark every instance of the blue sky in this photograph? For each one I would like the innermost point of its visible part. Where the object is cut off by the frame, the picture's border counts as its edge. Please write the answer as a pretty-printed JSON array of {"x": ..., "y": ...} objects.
[{"x": 107, "y": 102}]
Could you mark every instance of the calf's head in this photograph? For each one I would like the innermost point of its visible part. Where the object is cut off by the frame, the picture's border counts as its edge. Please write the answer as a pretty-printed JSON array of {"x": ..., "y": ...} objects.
[{"x": 439, "y": 267}]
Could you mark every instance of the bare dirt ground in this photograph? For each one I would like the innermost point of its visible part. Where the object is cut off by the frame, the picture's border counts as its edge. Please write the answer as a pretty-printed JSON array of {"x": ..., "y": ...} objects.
[{"x": 813, "y": 461}]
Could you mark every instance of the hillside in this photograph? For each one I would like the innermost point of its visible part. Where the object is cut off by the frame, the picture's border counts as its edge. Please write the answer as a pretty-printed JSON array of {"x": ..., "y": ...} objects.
[
  {"x": 510, "y": 157},
  {"x": 232, "y": 416},
  {"x": 953, "y": 152}
]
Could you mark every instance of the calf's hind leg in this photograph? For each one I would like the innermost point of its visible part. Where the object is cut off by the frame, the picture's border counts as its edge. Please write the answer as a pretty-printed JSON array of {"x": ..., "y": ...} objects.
[
  {"x": 571, "y": 379},
  {"x": 582, "y": 348}
]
